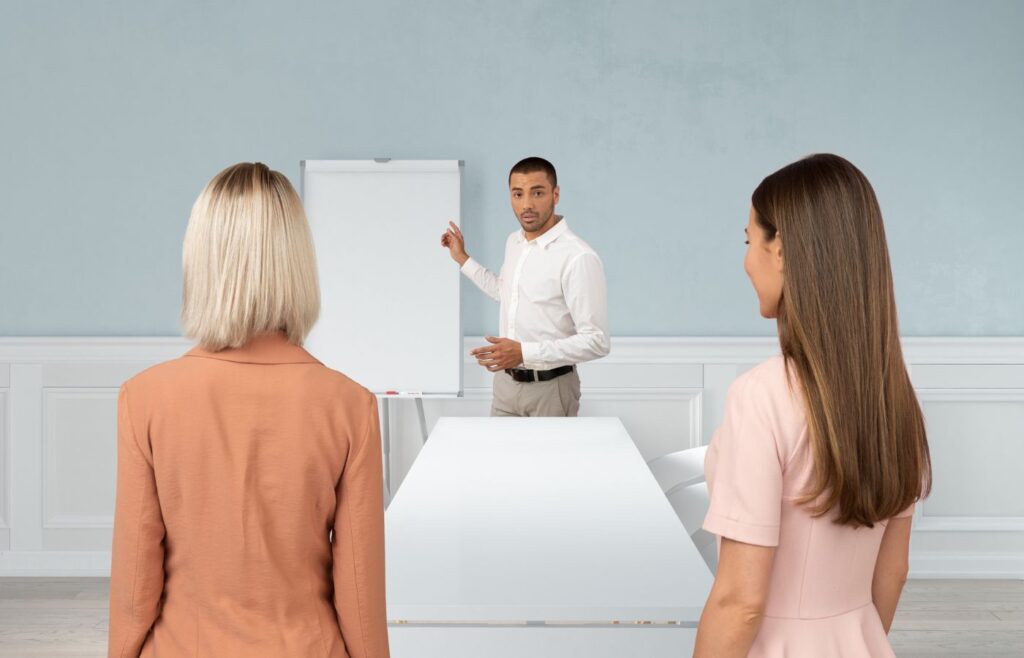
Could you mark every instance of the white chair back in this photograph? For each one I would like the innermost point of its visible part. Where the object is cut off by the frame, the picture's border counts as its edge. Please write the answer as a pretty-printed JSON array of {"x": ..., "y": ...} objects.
[
  {"x": 679, "y": 469},
  {"x": 691, "y": 506}
]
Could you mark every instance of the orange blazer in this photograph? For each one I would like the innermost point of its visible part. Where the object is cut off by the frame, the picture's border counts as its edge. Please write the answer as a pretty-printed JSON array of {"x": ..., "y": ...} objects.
[{"x": 250, "y": 512}]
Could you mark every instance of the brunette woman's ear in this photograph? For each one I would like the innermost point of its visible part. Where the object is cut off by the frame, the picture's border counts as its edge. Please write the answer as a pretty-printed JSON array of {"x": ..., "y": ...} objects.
[{"x": 776, "y": 248}]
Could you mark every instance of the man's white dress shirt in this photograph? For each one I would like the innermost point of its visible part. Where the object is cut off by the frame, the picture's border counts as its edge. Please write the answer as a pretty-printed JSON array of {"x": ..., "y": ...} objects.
[{"x": 553, "y": 297}]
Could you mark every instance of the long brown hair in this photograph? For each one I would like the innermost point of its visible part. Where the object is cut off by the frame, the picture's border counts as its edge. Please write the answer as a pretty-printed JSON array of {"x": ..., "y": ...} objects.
[{"x": 838, "y": 332}]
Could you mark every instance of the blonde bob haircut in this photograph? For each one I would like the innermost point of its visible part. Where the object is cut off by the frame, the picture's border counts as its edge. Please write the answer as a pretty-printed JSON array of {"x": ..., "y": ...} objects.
[{"x": 248, "y": 261}]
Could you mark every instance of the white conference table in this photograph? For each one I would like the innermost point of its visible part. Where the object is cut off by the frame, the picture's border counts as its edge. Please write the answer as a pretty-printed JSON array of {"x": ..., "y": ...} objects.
[{"x": 538, "y": 537}]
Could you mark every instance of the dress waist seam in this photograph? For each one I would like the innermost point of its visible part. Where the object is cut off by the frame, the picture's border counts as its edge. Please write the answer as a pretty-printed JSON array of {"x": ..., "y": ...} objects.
[{"x": 838, "y": 614}]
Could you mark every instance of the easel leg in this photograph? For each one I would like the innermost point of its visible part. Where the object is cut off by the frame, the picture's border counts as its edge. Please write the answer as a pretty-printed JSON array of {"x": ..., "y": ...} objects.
[
  {"x": 423, "y": 419},
  {"x": 387, "y": 448}
]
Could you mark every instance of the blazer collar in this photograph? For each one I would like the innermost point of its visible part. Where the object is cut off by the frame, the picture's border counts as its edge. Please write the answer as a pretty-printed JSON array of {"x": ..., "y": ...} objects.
[{"x": 263, "y": 348}]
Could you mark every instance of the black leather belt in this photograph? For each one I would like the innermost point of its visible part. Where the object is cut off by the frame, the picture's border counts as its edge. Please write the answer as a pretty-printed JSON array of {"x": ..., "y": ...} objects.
[{"x": 521, "y": 375}]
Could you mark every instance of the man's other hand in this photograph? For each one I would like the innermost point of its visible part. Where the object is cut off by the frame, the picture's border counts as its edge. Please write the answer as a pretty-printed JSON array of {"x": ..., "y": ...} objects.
[{"x": 501, "y": 354}]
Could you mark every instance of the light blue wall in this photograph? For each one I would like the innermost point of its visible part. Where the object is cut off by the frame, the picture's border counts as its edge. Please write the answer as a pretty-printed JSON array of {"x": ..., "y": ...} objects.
[{"x": 661, "y": 117}]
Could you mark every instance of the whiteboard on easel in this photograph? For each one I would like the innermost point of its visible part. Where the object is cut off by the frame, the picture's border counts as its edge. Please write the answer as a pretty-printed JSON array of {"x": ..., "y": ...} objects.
[{"x": 390, "y": 309}]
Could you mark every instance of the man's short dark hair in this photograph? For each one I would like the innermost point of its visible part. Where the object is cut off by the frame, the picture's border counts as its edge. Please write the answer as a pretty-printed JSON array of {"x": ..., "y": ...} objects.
[{"x": 534, "y": 164}]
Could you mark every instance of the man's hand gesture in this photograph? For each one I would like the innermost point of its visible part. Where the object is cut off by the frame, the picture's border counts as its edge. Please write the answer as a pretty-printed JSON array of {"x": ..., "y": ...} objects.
[
  {"x": 452, "y": 238},
  {"x": 501, "y": 354}
]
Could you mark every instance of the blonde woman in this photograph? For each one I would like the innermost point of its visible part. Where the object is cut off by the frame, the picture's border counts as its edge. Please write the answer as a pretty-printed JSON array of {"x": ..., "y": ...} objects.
[
  {"x": 249, "y": 518},
  {"x": 822, "y": 452}
]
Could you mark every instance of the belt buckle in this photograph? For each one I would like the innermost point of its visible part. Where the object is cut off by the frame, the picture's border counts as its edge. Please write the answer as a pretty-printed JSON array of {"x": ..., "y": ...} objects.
[{"x": 525, "y": 375}]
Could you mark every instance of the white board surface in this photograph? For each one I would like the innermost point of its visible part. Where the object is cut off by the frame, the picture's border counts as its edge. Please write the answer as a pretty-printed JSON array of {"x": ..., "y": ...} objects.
[{"x": 390, "y": 316}]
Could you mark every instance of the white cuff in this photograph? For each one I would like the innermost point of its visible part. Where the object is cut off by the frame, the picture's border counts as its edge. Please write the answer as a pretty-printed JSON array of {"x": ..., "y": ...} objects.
[
  {"x": 470, "y": 267},
  {"x": 531, "y": 356}
]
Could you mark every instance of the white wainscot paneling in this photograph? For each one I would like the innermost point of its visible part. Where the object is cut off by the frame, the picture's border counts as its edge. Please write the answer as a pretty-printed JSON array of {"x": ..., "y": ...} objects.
[
  {"x": 57, "y": 481},
  {"x": 5, "y": 479},
  {"x": 659, "y": 420},
  {"x": 79, "y": 459},
  {"x": 79, "y": 440},
  {"x": 977, "y": 446},
  {"x": 659, "y": 398},
  {"x": 58, "y": 436}
]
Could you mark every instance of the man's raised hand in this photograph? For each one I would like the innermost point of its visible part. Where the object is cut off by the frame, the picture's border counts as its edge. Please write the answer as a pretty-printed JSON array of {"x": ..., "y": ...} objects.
[{"x": 456, "y": 244}]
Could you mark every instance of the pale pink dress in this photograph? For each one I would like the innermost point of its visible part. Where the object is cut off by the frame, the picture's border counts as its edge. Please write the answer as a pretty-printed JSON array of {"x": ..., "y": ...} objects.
[{"x": 759, "y": 461}]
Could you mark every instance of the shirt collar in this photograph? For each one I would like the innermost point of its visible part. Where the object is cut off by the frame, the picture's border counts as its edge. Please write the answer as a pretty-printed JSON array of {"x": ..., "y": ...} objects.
[
  {"x": 271, "y": 348},
  {"x": 550, "y": 235}
]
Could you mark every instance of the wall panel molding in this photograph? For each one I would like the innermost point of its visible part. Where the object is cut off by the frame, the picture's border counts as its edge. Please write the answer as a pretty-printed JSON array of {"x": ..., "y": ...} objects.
[
  {"x": 965, "y": 399},
  {"x": 67, "y": 474},
  {"x": 668, "y": 391},
  {"x": 5, "y": 460}
]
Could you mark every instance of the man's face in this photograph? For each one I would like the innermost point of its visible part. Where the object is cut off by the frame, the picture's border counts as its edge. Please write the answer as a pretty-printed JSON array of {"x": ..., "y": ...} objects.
[{"x": 533, "y": 200}]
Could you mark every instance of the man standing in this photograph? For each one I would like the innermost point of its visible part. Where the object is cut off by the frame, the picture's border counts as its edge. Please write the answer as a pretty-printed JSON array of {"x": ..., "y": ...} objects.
[{"x": 554, "y": 305}]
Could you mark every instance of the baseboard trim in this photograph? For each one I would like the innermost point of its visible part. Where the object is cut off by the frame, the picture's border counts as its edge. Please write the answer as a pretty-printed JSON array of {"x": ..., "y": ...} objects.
[
  {"x": 963, "y": 564},
  {"x": 55, "y": 564},
  {"x": 922, "y": 565},
  {"x": 674, "y": 376}
]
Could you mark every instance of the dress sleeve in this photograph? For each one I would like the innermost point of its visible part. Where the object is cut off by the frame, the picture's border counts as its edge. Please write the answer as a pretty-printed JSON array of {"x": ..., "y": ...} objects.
[{"x": 746, "y": 494}]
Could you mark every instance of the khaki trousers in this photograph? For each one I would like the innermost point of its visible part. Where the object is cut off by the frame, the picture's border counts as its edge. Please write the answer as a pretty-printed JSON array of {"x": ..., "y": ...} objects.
[{"x": 555, "y": 397}]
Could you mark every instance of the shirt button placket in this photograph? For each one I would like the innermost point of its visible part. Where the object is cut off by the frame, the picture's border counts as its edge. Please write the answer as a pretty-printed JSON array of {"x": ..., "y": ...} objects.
[{"x": 514, "y": 306}]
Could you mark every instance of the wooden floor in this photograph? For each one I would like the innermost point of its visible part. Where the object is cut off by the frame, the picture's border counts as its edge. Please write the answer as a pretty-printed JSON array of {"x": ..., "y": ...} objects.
[{"x": 61, "y": 617}]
